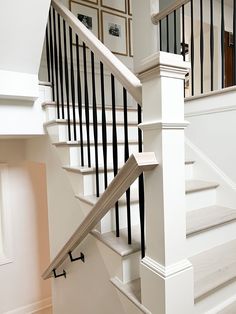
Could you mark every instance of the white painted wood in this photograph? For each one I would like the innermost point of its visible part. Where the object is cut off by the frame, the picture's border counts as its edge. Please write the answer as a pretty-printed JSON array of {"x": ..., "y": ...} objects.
[
  {"x": 129, "y": 173},
  {"x": 117, "y": 68},
  {"x": 156, "y": 17},
  {"x": 213, "y": 268},
  {"x": 200, "y": 199},
  {"x": 207, "y": 218},
  {"x": 165, "y": 267},
  {"x": 198, "y": 185},
  {"x": 132, "y": 291},
  {"x": 41, "y": 307}
]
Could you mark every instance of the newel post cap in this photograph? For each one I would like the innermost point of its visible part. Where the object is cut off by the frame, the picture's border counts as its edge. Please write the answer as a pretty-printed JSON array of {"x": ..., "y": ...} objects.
[{"x": 163, "y": 64}]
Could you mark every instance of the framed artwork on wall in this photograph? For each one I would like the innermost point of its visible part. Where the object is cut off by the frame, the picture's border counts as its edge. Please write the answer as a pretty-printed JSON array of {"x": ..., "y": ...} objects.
[
  {"x": 130, "y": 12},
  {"x": 87, "y": 15},
  {"x": 91, "y": 1},
  {"x": 114, "y": 32},
  {"x": 115, "y": 5},
  {"x": 131, "y": 51}
]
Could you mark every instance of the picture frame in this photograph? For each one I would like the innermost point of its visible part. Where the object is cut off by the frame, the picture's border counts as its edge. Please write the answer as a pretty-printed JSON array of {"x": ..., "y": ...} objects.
[
  {"x": 114, "y": 32},
  {"x": 91, "y": 1},
  {"x": 130, "y": 12},
  {"x": 115, "y": 5},
  {"x": 130, "y": 26},
  {"x": 88, "y": 15}
]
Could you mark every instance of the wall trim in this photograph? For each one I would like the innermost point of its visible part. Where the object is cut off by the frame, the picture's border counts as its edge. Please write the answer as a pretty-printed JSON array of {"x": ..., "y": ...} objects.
[
  {"x": 222, "y": 306},
  {"x": 166, "y": 271},
  {"x": 35, "y": 307},
  {"x": 210, "y": 111}
]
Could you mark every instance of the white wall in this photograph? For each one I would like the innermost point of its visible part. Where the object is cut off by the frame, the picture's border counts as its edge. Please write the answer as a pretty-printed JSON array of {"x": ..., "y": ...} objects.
[
  {"x": 212, "y": 128},
  {"x": 21, "y": 285}
]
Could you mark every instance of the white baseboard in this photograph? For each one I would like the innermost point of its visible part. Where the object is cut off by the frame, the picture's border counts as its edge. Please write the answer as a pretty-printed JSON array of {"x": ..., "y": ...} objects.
[{"x": 34, "y": 308}]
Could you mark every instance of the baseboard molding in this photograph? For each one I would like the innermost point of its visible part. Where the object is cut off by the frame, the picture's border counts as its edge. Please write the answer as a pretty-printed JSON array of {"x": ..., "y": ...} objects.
[
  {"x": 223, "y": 306},
  {"x": 34, "y": 308}
]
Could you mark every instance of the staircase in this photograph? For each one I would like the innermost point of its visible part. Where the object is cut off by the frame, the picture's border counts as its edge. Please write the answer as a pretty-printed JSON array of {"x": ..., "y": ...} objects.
[{"x": 94, "y": 139}]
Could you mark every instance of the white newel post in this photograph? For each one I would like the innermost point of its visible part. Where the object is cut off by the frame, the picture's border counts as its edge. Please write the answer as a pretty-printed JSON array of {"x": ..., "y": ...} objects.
[{"x": 166, "y": 273}]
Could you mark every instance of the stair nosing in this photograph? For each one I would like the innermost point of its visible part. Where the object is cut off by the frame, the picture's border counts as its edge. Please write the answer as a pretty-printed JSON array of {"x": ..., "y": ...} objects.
[
  {"x": 206, "y": 185},
  {"x": 65, "y": 121}
]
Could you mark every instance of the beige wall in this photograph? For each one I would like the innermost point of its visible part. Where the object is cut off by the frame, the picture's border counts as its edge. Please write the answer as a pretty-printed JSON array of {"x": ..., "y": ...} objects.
[{"x": 20, "y": 281}]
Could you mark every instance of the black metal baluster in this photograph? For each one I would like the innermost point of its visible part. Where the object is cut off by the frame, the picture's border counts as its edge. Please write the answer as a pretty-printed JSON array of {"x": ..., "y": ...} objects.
[
  {"x": 141, "y": 188},
  {"x": 126, "y": 138},
  {"x": 86, "y": 99},
  {"x": 201, "y": 47},
  {"x": 183, "y": 35},
  {"x": 175, "y": 33},
  {"x": 104, "y": 124},
  {"x": 72, "y": 82},
  {"x": 167, "y": 34},
  {"x": 192, "y": 49},
  {"x": 115, "y": 148},
  {"x": 234, "y": 42},
  {"x": 95, "y": 126},
  {"x": 66, "y": 81},
  {"x": 222, "y": 45},
  {"x": 52, "y": 54},
  {"x": 61, "y": 67},
  {"x": 48, "y": 55},
  {"x": 79, "y": 95},
  {"x": 212, "y": 43},
  {"x": 56, "y": 63},
  {"x": 160, "y": 30}
]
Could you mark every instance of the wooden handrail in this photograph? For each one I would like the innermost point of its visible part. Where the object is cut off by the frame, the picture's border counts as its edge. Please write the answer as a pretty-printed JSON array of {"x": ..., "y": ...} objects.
[
  {"x": 117, "y": 68},
  {"x": 156, "y": 17},
  {"x": 132, "y": 169}
]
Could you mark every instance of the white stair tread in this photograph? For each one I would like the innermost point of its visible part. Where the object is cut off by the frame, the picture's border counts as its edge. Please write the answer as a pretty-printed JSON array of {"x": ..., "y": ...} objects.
[
  {"x": 78, "y": 143},
  {"x": 119, "y": 244},
  {"x": 132, "y": 290},
  {"x": 92, "y": 199},
  {"x": 214, "y": 268},
  {"x": 199, "y": 185},
  {"x": 208, "y": 217},
  {"x": 65, "y": 121},
  {"x": 87, "y": 170},
  {"x": 99, "y": 106}
]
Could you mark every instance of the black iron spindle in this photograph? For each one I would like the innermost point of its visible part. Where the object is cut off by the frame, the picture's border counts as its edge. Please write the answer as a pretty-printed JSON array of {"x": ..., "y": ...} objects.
[
  {"x": 56, "y": 63},
  {"x": 183, "y": 34},
  {"x": 160, "y": 30},
  {"x": 86, "y": 100},
  {"x": 222, "y": 44},
  {"x": 167, "y": 34},
  {"x": 212, "y": 43},
  {"x": 104, "y": 127},
  {"x": 175, "y": 33},
  {"x": 115, "y": 147},
  {"x": 61, "y": 67},
  {"x": 126, "y": 138},
  {"x": 192, "y": 49},
  {"x": 141, "y": 188},
  {"x": 72, "y": 82},
  {"x": 66, "y": 80},
  {"x": 52, "y": 54},
  {"x": 48, "y": 55},
  {"x": 95, "y": 125},
  {"x": 201, "y": 47},
  {"x": 234, "y": 43},
  {"x": 79, "y": 96}
]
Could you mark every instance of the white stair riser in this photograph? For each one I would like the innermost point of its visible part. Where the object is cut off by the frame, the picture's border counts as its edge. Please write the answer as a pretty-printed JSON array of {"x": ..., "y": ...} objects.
[
  {"x": 200, "y": 199},
  {"x": 74, "y": 154},
  {"x": 59, "y": 133},
  {"x": 85, "y": 184},
  {"x": 51, "y": 114},
  {"x": 211, "y": 238},
  {"x": 189, "y": 171}
]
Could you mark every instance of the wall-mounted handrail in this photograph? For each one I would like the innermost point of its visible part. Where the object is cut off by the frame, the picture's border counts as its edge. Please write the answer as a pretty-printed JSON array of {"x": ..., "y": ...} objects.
[
  {"x": 132, "y": 169},
  {"x": 156, "y": 17},
  {"x": 117, "y": 68}
]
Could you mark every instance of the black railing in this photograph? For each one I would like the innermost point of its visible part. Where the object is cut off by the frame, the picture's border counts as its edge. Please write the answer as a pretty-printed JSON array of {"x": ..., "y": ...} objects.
[
  {"x": 203, "y": 41},
  {"x": 81, "y": 85}
]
